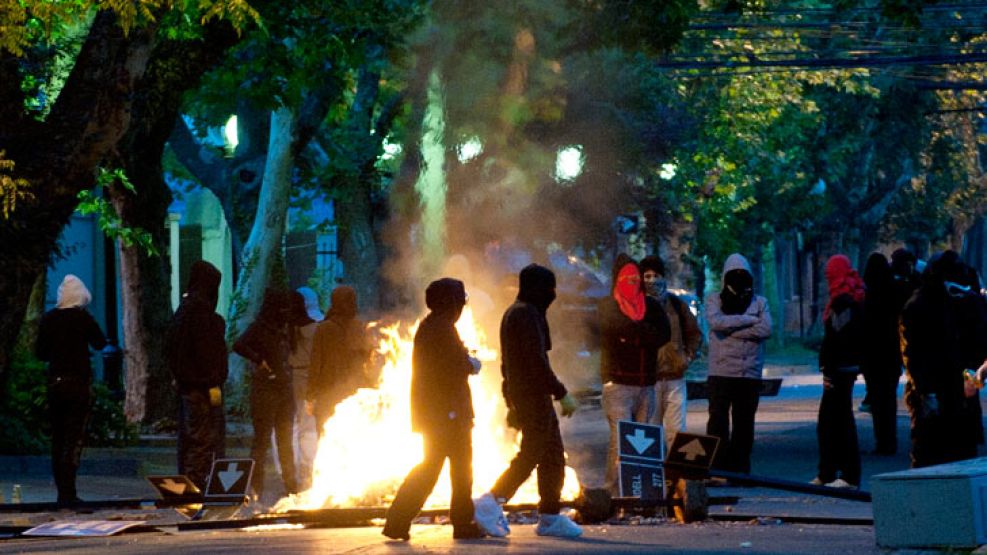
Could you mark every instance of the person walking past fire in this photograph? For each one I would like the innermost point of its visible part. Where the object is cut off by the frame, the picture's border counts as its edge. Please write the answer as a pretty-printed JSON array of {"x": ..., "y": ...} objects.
[
  {"x": 675, "y": 356},
  {"x": 739, "y": 325},
  {"x": 529, "y": 387},
  {"x": 442, "y": 411},
  {"x": 65, "y": 335},
  {"x": 632, "y": 327}
]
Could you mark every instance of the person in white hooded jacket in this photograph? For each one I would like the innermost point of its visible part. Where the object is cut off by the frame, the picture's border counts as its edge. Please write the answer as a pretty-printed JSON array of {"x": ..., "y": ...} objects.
[
  {"x": 739, "y": 325},
  {"x": 65, "y": 335}
]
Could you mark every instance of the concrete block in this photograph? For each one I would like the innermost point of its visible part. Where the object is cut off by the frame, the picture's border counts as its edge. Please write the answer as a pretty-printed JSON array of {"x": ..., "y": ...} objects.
[{"x": 943, "y": 506}]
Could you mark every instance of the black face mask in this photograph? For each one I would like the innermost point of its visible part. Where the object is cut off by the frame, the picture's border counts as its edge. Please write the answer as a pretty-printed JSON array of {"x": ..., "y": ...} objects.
[{"x": 738, "y": 292}]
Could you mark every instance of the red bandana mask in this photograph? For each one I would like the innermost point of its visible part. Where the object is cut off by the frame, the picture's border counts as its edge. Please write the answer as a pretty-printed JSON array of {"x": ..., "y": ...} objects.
[{"x": 628, "y": 293}]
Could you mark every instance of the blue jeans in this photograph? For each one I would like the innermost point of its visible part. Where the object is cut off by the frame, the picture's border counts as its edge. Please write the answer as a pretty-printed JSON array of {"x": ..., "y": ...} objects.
[{"x": 624, "y": 402}]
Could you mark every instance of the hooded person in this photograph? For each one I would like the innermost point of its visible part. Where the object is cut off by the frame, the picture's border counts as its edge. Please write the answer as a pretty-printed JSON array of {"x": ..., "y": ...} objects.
[
  {"x": 935, "y": 355},
  {"x": 739, "y": 325},
  {"x": 266, "y": 344},
  {"x": 197, "y": 357},
  {"x": 340, "y": 349},
  {"x": 675, "y": 356},
  {"x": 632, "y": 328},
  {"x": 881, "y": 362},
  {"x": 442, "y": 411},
  {"x": 530, "y": 385},
  {"x": 839, "y": 361},
  {"x": 65, "y": 335}
]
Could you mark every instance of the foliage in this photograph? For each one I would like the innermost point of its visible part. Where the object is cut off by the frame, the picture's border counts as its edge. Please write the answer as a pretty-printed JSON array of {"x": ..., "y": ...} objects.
[
  {"x": 12, "y": 189},
  {"x": 92, "y": 202}
]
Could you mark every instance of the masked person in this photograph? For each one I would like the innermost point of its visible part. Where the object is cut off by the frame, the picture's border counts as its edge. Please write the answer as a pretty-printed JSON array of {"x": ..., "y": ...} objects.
[
  {"x": 198, "y": 360},
  {"x": 739, "y": 325},
  {"x": 839, "y": 361},
  {"x": 881, "y": 363},
  {"x": 675, "y": 356},
  {"x": 529, "y": 387},
  {"x": 265, "y": 343},
  {"x": 442, "y": 411},
  {"x": 632, "y": 327},
  {"x": 934, "y": 353},
  {"x": 65, "y": 335},
  {"x": 340, "y": 349}
]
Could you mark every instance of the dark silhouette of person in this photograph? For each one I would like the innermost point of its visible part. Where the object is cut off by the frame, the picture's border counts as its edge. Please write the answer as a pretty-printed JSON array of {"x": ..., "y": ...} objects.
[
  {"x": 881, "y": 363},
  {"x": 198, "y": 360},
  {"x": 442, "y": 411},
  {"x": 65, "y": 336},
  {"x": 265, "y": 343}
]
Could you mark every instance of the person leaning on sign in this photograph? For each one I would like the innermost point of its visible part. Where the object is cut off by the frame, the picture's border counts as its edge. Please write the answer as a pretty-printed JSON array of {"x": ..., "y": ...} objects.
[
  {"x": 442, "y": 411},
  {"x": 197, "y": 357},
  {"x": 739, "y": 325},
  {"x": 529, "y": 387},
  {"x": 65, "y": 336},
  {"x": 633, "y": 327}
]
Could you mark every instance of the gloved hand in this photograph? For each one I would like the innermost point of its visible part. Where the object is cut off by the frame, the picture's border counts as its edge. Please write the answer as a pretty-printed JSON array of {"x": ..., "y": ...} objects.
[
  {"x": 475, "y": 362},
  {"x": 215, "y": 396},
  {"x": 569, "y": 405}
]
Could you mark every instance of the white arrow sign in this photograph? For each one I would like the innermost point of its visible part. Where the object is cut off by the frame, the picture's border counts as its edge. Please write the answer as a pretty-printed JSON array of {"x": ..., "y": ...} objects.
[
  {"x": 640, "y": 441},
  {"x": 692, "y": 450},
  {"x": 168, "y": 484},
  {"x": 229, "y": 476}
]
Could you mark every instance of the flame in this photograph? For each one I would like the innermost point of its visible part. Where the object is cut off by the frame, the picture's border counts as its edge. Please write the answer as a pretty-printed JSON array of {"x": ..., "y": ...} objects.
[{"x": 367, "y": 447}]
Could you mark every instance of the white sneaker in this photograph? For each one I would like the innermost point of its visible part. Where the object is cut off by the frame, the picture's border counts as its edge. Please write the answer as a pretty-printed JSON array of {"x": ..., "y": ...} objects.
[
  {"x": 841, "y": 484},
  {"x": 557, "y": 525},
  {"x": 489, "y": 516}
]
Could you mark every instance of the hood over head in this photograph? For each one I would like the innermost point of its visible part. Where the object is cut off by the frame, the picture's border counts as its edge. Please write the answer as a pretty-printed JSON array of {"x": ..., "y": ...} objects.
[
  {"x": 343, "y": 303},
  {"x": 877, "y": 273},
  {"x": 446, "y": 295},
  {"x": 842, "y": 280},
  {"x": 274, "y": 307},
  {"x": 203, "y": 282},
  {"x": 944, "y": 272},
  {"x": 311, "y": 303},
  {"x": 297, "y": 314},
  {"x": 903, "y": 262},
  {"x": 72, "y": 293},
  {"x": 536, "y": 285},
  {"x": 738, "y": 285}
]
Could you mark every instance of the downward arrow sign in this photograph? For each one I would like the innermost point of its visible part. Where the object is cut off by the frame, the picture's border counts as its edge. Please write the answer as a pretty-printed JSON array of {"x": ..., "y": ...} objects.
[
  {"x": 692, "y": 450},
  {"x": 229, "y": 476},
  {"x": 640, "y": 441},
  {"x": 168, "y": 484}
]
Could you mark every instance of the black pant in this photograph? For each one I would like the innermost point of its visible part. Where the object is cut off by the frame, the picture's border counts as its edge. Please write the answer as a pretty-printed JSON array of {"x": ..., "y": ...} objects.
[
  {"x": 836, "y": 430},
  {"x": 882, "y": 388},
  {"x": 201, "y": 435},
  {"x": 272, "y": 408},
  {"x": 736, "y": 399},
  {"x": 454, "y": 443},
  {"x": 948, "y": 436},
  {"x": 69, "y": 405},
  {"x": 541, "y": 448}
]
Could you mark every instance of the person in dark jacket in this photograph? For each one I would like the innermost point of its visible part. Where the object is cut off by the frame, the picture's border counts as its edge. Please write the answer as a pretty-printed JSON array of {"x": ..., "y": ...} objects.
[
  {"x": 881, "y": 363},
  {"x": 198, "y": 359},
  {"x": 632, "y": 327},
  {"x": 839, "y": 362},
  {"x": 340, "y": 349},
  {"x": 65, "y": 335},
  {"x": 529, "y": 387},
  {"x": 265, "y": 343},
  {"x": 933, "y": 353},
  {"x": 739, "y": 325},
  {"x": 972, "y": 314},
  {"x": 442, "y": 411}
]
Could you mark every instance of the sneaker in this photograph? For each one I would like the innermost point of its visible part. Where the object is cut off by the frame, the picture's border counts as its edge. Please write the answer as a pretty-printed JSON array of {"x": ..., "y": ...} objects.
[
  {"x": 467, "y": 532},
  {"x": 816, "y": 482},
  {"x": 840, "y": 483},
  {"x": 559, "y": 526},
  {"x": 396, "y": 532},
  {"x": 489, "y": 516}
]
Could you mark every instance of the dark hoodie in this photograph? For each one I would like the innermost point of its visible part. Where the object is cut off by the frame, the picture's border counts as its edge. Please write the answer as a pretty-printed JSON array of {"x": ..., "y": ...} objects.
[
  {"x": 881, "y": 349},
  {"x": 195, "y": 344},
  {"x": 525, "y": 340},
  {"x": 266, "y": 340},
  {"x": 629, "y": 349},
  {"x": 339, "y": 347},
  {"x": 440, "y": 366}
]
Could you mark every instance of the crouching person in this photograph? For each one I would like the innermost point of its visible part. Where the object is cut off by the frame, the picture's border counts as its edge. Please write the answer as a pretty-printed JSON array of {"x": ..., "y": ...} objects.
[
  {"x": 442, "y": 411},
  {"x": 529, "y": 387}
]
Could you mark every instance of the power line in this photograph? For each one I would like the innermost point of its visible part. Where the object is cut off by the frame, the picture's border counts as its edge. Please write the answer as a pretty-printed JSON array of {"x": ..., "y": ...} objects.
[{"x": 828, "y": 63}]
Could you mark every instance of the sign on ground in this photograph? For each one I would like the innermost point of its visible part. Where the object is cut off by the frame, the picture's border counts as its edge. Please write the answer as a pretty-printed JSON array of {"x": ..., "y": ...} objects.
[
  {"x": 692, "y": 451},
  {"x": 170, "y": 487},
  {"x": 82, "y": 528},
  {"x": 229, "y": 479},
  {"x": 641, "y": 443}
]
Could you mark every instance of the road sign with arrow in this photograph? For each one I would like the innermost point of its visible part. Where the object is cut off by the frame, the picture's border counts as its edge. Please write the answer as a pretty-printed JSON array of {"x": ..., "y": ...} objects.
[
  {"x": 229, "y": 479},
  {"x": 692, "y": 451},
  {"x": 170, "y": 487},
  {"x": 641, "y": 452}
]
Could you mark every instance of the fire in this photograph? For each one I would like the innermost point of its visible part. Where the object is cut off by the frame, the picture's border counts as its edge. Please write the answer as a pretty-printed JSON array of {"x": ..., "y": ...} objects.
[{"x": 368, "y": 447}]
